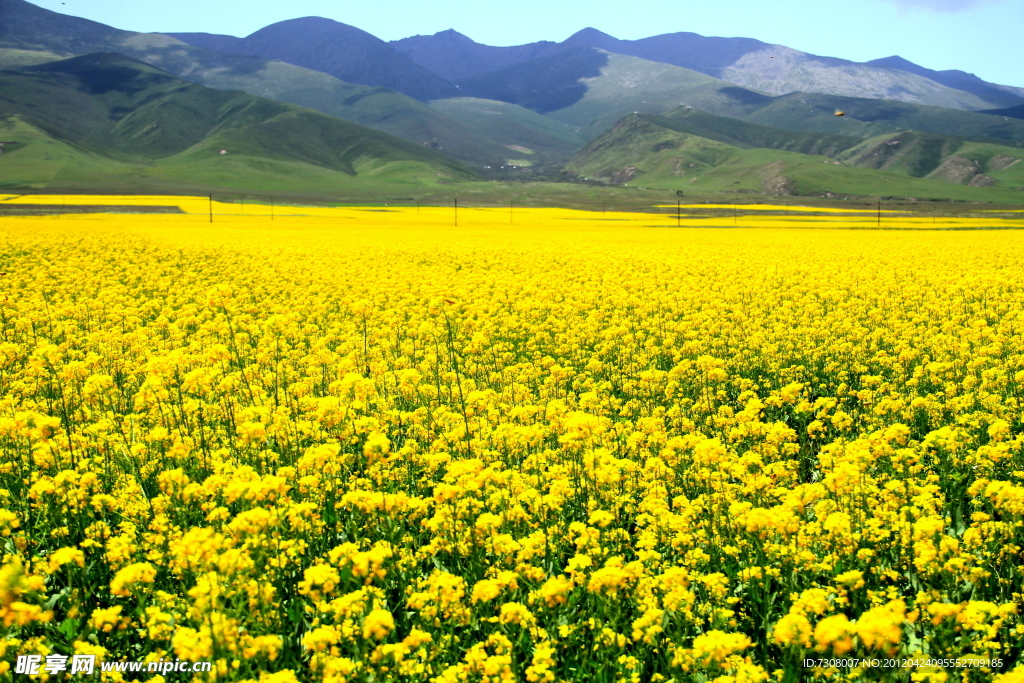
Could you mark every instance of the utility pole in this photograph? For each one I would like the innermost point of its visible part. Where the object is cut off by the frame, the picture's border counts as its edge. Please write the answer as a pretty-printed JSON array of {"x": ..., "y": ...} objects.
[
  {"x": 271, "y": 208},
  {"x": 211, "y": 207}
]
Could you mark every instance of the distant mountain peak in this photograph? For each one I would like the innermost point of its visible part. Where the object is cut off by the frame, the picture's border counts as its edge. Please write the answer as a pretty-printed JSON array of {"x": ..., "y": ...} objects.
[
  {"x": 589, "y": 32},
  {"x": 346, "y": 52},
  {"x": 894, "y": 60},
  {"x": 590, "y": 37},
  {"x": 452, "y": 35},
  {"x": 309, "y": 21},
  {"x": 897, "y": 62},
  {"x": 311, "y": 25}
]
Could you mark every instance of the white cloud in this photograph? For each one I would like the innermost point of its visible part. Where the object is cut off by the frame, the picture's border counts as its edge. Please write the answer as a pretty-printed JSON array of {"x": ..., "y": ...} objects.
[{"x": 945, "y": 6}]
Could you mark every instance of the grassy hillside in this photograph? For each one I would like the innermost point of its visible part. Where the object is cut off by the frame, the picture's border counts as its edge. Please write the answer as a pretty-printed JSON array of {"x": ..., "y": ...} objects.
[
  {"x": 940, "y": 157},
  {"x": 105, "y": 116},
  {"x": 686, "y": 119},
  {"x": 912, "y": 153},
  {"x": 642, "y": 150},
  {"x": 866, "y": 118},
  {"x": 11, "y": 58},
  {"x": 41, "y": 162},
  {"x": 34, "y": 159},
  {"x": 524, "y": 134}
]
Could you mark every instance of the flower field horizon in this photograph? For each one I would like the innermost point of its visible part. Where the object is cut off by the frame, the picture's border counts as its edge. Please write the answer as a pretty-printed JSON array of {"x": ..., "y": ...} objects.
[{"x": 364, "y": 444}]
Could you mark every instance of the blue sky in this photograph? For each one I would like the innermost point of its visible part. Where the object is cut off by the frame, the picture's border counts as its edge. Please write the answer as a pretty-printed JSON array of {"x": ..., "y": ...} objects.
[{"x": 979, "y": 36}]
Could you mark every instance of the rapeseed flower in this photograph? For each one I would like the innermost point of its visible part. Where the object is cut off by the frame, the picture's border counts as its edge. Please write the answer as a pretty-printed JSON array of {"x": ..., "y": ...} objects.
[{"x": 347, "y": 446}]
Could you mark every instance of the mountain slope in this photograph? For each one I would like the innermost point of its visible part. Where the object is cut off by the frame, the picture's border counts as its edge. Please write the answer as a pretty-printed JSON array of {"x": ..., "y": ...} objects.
[
  {"x": 954, "y": 78},
  {"x": 524, "y": 135},
  {"x": 13, "y": 58},
  {"x": 778, "y": 70},
  {"x": 343, "y": 51},
  {"x": 868, "y": 117},
  {"x": 545, "y": 84},
  {"x": 211, "y": 41},
  {"x": 940, "y": 157},
  {"x": 592, "y": 88},
  {"x": 119, "y": 110},
  {"x": 686, "y": 119},
  {"x": 455, "y": 128},
  {"x": 25, "y": 26},
  {"x": 1010, "y": 112},
  {"x": 454, "y": 57},
  {"x": 656, "y": 152}
]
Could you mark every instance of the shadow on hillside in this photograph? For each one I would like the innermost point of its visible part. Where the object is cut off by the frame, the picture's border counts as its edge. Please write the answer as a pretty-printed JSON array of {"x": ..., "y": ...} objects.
[{"x": 543, "y": 85}]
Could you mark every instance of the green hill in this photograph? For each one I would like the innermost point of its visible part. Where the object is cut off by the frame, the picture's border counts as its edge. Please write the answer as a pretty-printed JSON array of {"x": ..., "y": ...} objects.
[
  {"x": 525, "y": 135},
  {"x": 656, "y": 152},
  {"x": 866, "y": 118},
  {"x": 686, "y": 119},
  {"x": 940, "y": 157},
  {"x": 107, "y": 118},
  {"x": 11, "y": 58}
]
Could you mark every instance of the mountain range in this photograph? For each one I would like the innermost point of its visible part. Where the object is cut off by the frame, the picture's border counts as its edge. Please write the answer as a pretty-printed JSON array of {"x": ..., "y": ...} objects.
[
  {"x": 773, "y": 69},
  {"x": 593, "y": 88},
  {"x": 32, "y": 35},
  {"x": 530, "y": 110}
]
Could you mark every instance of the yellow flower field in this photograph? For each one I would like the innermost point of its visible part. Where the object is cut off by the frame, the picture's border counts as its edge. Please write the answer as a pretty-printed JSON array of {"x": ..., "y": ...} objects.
[{"x": 546, "y": 446}]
